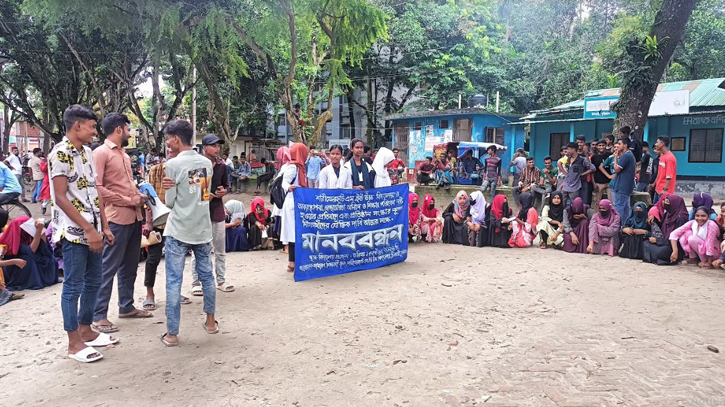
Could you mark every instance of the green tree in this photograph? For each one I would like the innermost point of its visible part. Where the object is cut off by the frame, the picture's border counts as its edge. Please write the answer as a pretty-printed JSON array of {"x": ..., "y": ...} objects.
[{"x": 647, "y": 61}]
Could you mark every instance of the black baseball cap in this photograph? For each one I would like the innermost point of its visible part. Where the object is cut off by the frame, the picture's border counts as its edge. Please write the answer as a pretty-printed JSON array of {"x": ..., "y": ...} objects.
[{"x": 211, "y": 139}]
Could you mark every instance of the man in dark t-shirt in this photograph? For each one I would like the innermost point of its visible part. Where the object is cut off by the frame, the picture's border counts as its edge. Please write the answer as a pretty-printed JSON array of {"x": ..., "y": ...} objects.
[
  {"x": 601, "y": 181},
  {"x": 210, "y": 144},
  {"x": 646, "y": 169}
]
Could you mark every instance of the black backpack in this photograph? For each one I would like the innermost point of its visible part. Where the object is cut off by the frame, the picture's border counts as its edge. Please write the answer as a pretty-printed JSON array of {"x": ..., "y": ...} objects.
[{"x": 277, "y": 194}]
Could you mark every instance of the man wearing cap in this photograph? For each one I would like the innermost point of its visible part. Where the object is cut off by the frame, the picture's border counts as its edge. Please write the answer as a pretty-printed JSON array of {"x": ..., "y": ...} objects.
[{"x": 210, "y": 146}]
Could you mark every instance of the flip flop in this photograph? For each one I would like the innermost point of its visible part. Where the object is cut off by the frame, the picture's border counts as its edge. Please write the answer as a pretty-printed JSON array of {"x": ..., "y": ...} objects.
[
  {"x": 17, "y": 296},
  {"x": 105, "y": 328},
  {"x": 151, "y": 305},
  {"x": 197, "y": 291},
  {"x": 227, "y": 288},
  {"x": 167, "y": 343},
  {"x": 103, "y": 340},
  {"x": 185, "y": 300},
  {"x": 82, "y": 356},
  {"x": 137, "y": 313},
  {"x": 216, "y": 328}
]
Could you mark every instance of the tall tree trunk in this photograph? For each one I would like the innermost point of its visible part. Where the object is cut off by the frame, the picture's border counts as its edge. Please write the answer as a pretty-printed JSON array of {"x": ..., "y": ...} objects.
[
  {"x": 640, "y": 84},
  {"x": 351, "y": 110},
  {"x": 370, "y": 112}
]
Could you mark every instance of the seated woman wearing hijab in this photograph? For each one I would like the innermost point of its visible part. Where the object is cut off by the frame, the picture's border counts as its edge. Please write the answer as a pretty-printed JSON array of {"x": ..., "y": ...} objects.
[
  {"x": 258, "y": 223},
  {"x": 576, "y": 227},
  {"x": 635, "y": 231},
  {"x": 477, "y": 226},
  {"x": 40, "y": 269},
  {"x": 702, "y": 199},
  {"x": 667, "y": 215},
  {"x": 604, "y": 230},
  {"x": 454, "y": 220},
  {"x": 698, "y": 238},
  {"x": 524, "y": 227},
  {"x": 551, "y": 222},
  {"x": 499, "y": 222},
  {"x": 236, "y": 234},
  {"x": 431, "y": 225},
  {"x": 380, "y": 166},
  {"x": 414, "y": 218}
]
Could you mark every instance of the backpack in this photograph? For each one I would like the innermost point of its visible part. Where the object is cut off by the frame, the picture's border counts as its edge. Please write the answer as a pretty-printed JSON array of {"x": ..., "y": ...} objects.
[{"x": 277, "y": 194}]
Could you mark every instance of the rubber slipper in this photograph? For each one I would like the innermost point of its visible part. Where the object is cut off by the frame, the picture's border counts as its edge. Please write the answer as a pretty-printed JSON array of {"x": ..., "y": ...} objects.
[
  {"x": 137, "y": 314},
  {"x": 185, "y": 300},
  {"x": 105, "y": 328},
  {"x": 197, "y": 291},
  {"x": 149, "y": 305},
  {"x": 82, "y": 356},
  {"x": 103, "y": 340},
  {"x": 227, "y": 288},
  {"x": 167, "y": 343},
  {"x": 17, "y": 296},
  {"x": 216, "y": 328}
]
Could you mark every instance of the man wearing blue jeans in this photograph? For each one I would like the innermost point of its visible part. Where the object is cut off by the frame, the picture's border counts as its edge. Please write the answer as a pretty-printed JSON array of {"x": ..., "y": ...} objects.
[
  {"x": 38, "y": 175},
  {"x": 188, "y": 192},
  {"x": 80, "y": 226},
  {"x": 624, "y": 168}
]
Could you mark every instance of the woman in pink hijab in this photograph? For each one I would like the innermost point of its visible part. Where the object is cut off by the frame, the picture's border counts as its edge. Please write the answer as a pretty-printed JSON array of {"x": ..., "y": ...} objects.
[{"x": 604, "y": 228}]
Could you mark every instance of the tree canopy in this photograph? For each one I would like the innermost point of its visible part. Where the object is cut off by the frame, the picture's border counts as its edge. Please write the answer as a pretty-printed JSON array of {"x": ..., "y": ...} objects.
[{"x": 250, "y": 59}]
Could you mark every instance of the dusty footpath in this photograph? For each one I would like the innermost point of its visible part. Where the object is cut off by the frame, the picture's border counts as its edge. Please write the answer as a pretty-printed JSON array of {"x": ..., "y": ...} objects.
[{"x": 451, "y": 326}]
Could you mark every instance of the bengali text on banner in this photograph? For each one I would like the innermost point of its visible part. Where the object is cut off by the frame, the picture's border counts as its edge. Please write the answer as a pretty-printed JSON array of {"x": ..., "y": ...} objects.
[{"x": 341, "y": 231}]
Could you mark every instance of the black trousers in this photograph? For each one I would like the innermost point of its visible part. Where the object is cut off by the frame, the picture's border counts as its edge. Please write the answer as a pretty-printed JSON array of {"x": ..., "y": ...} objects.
[
  {"x": 152, "y": 262},
  {"x": 291, "y": 249},
  {"x": 264, "y": 178}
]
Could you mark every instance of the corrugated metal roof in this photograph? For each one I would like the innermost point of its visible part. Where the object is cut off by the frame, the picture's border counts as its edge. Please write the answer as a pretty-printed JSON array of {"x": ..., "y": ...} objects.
[{"x": 703, "y": 93}]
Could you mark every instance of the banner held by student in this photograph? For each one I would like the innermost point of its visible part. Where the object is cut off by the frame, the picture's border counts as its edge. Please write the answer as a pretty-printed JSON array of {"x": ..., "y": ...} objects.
[{"x": 341, "y": 231}]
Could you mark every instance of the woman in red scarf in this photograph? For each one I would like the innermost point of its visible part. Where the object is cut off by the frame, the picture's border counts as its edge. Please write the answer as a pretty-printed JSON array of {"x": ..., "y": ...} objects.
[
  {"x": 414, "y": 218},
  {"x": 499, "y": 222},
  {"x": 294, "y": 176},
  {"x": 257, "y": 224},
  {"x": 40, "y": 270},
  {"x": 431, "y": 226},
  {"x": 45, "y": 188}
]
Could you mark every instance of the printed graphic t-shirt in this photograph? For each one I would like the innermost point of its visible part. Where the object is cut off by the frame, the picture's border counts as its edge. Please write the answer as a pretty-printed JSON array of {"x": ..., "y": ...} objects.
[{"x": 188, "y": 199}]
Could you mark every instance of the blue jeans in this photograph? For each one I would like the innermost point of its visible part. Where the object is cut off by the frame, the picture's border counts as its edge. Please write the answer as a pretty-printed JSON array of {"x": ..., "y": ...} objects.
[
  {"x": 175, "y": 258},
  {"x": 621, "y": 205},
  {"x": 36, "y": 191},
  {"x": 490, "y": 182},
  {"x": 82, "y": 278},
  {"x": 642, "y": 187}
]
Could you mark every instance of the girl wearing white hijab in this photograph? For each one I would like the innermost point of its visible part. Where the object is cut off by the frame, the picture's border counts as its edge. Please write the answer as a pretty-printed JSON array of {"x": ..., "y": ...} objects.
[
  {"x": 477, "y": 230},
  {"x": 382, "y": 159}
]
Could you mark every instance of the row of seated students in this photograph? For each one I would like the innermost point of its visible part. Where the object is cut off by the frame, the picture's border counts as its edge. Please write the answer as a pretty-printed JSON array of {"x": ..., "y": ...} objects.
[{"x": 664, "y": 233}]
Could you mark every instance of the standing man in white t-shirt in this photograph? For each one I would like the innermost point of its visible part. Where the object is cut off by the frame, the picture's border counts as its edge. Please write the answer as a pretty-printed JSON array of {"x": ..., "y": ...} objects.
[{"x": 13, "y": 162}]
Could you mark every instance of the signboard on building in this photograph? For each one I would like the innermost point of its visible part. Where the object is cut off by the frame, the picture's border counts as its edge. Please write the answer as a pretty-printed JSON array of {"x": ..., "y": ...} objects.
[
  {"x": 600, "y": 107},
  {"x": 663, "y": 104}
]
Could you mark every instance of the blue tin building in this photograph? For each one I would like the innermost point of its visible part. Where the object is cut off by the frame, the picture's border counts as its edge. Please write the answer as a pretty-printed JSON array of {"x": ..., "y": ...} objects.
[
  {"x": 416, "y": 133},
  {"x": 691, "y": 113}
]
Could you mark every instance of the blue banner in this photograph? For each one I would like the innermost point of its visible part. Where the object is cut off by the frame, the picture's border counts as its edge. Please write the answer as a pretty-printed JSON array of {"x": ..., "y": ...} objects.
[{"x": 340, "y": 231}]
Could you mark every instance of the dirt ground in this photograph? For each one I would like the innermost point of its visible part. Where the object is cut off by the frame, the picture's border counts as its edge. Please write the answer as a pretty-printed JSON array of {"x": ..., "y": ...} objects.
[{"x": 451, "y": 326}]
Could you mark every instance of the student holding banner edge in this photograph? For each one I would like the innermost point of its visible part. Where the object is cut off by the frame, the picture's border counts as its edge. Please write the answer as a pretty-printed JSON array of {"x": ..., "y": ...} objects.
[{"x": 294, "y": 176}]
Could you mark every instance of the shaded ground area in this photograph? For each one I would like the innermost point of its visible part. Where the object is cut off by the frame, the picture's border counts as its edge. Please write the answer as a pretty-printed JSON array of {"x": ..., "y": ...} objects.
[{"x": 451, "y": 326}]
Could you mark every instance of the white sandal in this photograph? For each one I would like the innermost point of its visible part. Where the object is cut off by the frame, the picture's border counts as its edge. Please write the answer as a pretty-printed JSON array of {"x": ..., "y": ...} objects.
[
  {"x": 227, "y": 288},
  {"x": 82, "y": 356},
  {"x": 103, "y": 340},
  {"x": 197, "y": 291}
]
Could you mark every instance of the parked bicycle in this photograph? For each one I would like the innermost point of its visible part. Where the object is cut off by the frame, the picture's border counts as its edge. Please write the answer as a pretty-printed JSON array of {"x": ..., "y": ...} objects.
[{"x": 14, "y": 209}]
